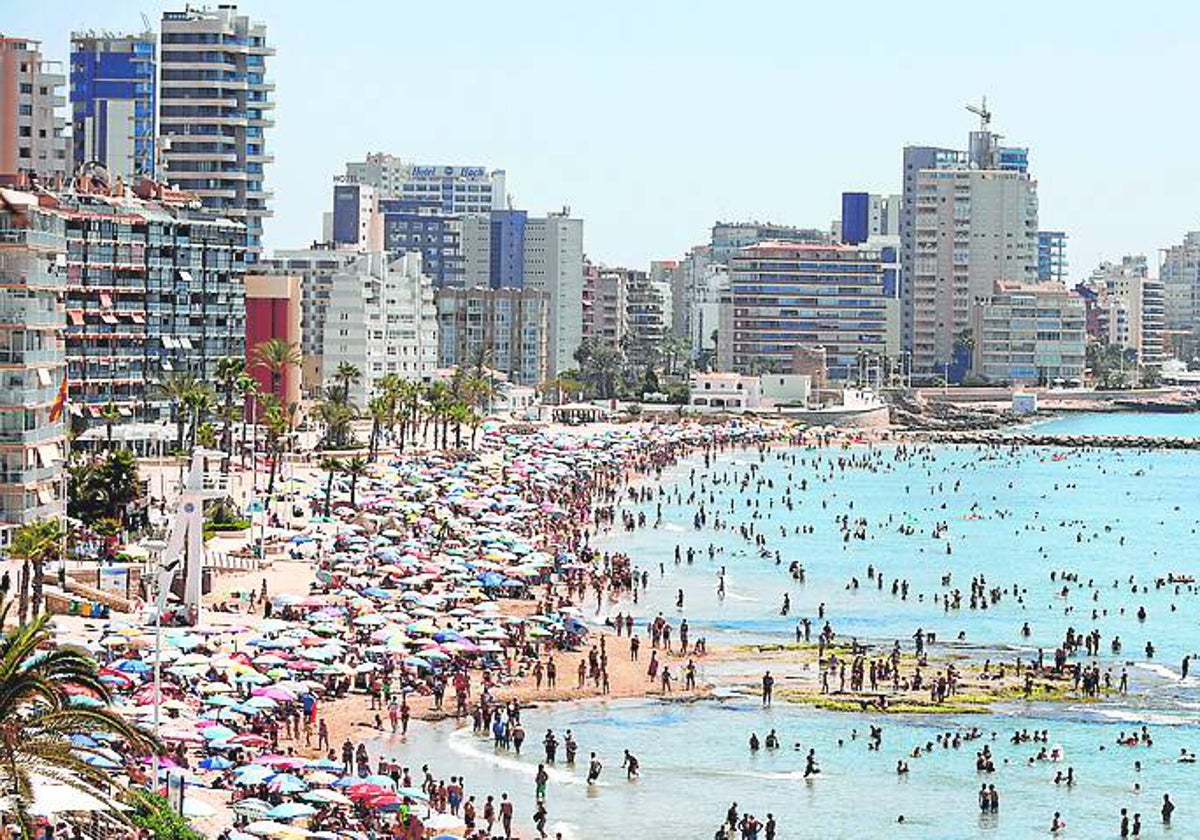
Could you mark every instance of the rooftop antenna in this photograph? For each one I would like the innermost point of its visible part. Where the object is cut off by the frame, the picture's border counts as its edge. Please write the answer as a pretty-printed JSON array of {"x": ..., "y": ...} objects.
[{"x": 981, "y": 111}]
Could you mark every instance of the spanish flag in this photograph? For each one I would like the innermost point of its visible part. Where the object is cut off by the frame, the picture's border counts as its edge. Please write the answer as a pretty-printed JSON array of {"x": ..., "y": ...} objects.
[{"x": 60, "y": 402}]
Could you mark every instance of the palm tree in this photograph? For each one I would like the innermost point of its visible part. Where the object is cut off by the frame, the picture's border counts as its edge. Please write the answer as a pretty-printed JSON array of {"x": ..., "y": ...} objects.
[
  {"x": 275, "y": 356},
  {"x": 199, "y": 401},
  {"x": 229, "y": 370},
  {"x": 380, "y": 408},
  {"x": 111, "y": 415},
  {"x": 458, "y": 413},
  {"x": 246, "y": 387},
  {"x": 39, "y": 718},
  {"x": 348, "y": 375},
  {"x": 355, "y": 468},
  {"x": 332, "y": 466},
  {"x": 176, "y": 389},
  {"x": 437, "y": 398},
  {"x": 35, "y": 544},
  {"x": 277, "y": 421},
  {"x": 336, "y": 416}
]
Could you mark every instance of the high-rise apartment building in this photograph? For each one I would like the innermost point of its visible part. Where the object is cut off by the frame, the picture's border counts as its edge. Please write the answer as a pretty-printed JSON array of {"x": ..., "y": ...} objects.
[
  {"x": 554, "y": 264},
  {"x": 1052, "y": 256},
  {"x": 1029, "y": 333},
  {"x": 1126, "y": 308},
  {"x": 865, "y": 215},
  {"x": 967, "y": 219},
  {"x": 355, "y": 208},
  {"x": 1180, "y": 276},
  {"x": 214, "y": 109},
  {"x": 316, "y": 267},
  {"x": 32, "y": 142},
  {"x": 154, "y": 287},
  {"x": 113, "y": 102},
  {"x": 383, "y": 320},
  {"x": 438, "y": 189},
  {"x": 509, "y": 327},
  {"x": 605, "y": 305},
  {"x": 784, "y": 296},
  {"x": 973, "y": 227},
  {"x": 729, "y": 237},
  {"x": 33, "y": 442},
  {"x": 493, "y": 249}
]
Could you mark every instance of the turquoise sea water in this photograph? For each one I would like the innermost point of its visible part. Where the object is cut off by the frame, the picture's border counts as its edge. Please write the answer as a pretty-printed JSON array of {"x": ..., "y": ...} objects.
[
  {"x": 1105, "y": 516},
  {"x": 1124, "y": 423}
]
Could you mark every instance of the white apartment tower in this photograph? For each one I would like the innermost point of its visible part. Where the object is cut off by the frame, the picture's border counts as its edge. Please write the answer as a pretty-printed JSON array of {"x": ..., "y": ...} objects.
[
  {"x": 31, "y": 130},
  {"x": 382, "y": 319},
  {"x": 973, "y": 228},
  {"x": 214, "y": 108},
  {"x": 554, "y": 264}
]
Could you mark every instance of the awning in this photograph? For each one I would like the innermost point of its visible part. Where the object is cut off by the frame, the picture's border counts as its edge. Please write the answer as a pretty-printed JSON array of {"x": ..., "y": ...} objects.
[
  {"x": 108, "y": 318},
  {"x": 94, "y": 410},
  {"x": 138, "y": 317},
  {"x": 168, "y": 342},
  {"x": 185, "y": 343},
  {"x": 185, "y": 276},
  {"x": 45, "y": 496},
  {"x": 43, "y": 376},
  {"x": 125, "y": 412},
  {"x": 48, "y": 454},
  {"x": 106, "y": 299},
  {"x": 76, "y": 316},
  {"x": 166, "y": 365}
]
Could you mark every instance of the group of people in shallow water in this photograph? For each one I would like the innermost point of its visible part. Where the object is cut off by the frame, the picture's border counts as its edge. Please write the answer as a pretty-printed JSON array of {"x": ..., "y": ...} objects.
[{"x": 717, "y": 494}]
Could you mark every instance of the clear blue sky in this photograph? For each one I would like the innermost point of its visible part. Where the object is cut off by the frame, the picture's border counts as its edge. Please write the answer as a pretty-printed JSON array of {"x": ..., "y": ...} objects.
[{"x": 653, "y": 119}]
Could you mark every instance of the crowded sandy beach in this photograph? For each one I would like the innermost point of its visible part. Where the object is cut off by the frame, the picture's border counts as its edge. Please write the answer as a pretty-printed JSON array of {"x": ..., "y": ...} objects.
[{"x": 478, "y": 593}]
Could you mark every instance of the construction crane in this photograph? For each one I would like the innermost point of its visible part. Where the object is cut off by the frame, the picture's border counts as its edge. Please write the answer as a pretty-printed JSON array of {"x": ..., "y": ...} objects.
[{"x": 981, "y": 111}]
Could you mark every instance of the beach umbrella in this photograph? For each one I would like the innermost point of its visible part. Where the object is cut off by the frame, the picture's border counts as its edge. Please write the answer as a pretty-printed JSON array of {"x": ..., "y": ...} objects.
[
  {"x": 271, "y": 828},
  {"x": 286, "y": 783},
  {"x": 252, "y": 774},
  {"x": 416, "y": 662},
  {"x": 290, "y": 811},
  {"x": 216, "y": 762},
  {"x": 326, "y": 795},
  {"x": 251, "y": 807},
  {"x": 217, "y": 733},
  {"x": 320, "y": 777}
]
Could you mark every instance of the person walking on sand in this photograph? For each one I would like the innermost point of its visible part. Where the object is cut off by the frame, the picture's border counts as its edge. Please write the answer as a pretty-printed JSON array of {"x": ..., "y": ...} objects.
[{"x": 506, "y": 815}]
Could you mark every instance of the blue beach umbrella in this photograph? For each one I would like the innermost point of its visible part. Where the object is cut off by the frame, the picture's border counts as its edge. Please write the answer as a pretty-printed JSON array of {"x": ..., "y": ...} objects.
[
  {"x": 216, "y": 762},
  {"x": 217, "y": 733},
  {"x": 290, "y": 811}
]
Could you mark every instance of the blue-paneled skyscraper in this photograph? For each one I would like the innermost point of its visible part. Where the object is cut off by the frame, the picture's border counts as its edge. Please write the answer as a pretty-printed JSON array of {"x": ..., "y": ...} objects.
[{"x": 113, "y": 101}]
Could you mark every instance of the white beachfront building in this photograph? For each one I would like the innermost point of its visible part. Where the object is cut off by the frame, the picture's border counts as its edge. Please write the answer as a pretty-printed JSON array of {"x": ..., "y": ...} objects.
[{"x": 382, "y": 319}]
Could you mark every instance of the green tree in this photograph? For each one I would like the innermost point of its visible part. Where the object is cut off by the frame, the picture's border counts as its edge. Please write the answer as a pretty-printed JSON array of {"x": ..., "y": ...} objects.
[
  {"x": 199, "y": 402},
  {"x": 176, "y": 388},
  {"x": 111, "y": 415},
  {"x": 332, "y": 467},
  {"x": 336, "y": 417},
  {"x": 230, "y": 370},
  {"x": 38, "y": 719},
  {"x": 103, "y": 487},
  {"x": 247, "y": 391},
  {"x": 348, "y": 375},
  {"x": 35, "y": 544},
  {"x": 380, "y": 408},
  {"x": 356, "y": 468},
  {"x": 275, "y": 356},
  {"x": 600, "y": 366}
]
